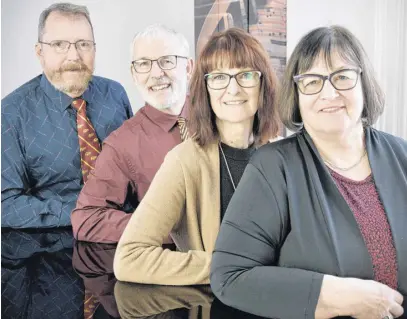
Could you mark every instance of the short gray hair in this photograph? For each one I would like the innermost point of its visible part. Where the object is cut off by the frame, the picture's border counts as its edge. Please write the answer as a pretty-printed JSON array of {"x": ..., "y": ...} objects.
[
  {"x": 63, "y": 8},
  {"x": 160, "y": 31}
]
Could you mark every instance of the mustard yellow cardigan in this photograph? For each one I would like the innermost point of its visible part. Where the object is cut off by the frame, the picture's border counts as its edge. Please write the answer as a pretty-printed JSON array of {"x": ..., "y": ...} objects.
[{"x": 184, "y": 201}]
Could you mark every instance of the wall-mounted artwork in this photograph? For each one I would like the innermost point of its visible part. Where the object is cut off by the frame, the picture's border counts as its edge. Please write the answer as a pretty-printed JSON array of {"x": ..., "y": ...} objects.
[{"x": 265, "y": 19}]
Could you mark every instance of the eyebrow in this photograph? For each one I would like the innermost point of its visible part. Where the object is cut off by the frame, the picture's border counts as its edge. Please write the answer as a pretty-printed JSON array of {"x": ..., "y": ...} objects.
[
  {"x": 148, "y": 58},
  {"x": 343, "y": 67},
  {"x": 243, "y": 70}
]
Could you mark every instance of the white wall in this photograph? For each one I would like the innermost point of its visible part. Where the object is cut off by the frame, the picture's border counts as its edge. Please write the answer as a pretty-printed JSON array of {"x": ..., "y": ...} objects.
[
  {"x": 115, "y": 22},
  {"x": 356, "y": 15},
  {"x": 381, "y": 26}
]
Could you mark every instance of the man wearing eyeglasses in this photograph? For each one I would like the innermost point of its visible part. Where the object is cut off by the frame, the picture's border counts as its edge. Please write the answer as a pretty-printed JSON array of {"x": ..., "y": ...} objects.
[
  {"x": 53, "y": 126},
  {"x": 131, "y": 156}
]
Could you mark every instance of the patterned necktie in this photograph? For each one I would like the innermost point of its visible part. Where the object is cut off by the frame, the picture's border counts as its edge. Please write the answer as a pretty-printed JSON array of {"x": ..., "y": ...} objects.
[
  {"x": 183, "y": 130},
  {"x": 88, "y": 141},
  {"x": 89, "y": 147}
]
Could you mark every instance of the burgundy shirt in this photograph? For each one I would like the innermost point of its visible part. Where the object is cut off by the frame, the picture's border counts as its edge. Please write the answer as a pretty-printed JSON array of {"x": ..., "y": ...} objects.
[
  {"x": 124, "y": 170},
  {"x": 364, "y": 201}
]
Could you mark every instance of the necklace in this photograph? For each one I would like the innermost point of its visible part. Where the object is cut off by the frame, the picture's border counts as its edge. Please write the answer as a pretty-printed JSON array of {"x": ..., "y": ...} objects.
[
  {"x": 344, "y": 169},
  {"x": 227, "y": 166}
]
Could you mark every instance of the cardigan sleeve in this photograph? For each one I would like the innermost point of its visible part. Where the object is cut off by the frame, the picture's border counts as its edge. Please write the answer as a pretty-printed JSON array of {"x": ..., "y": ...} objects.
[
  {"x": 244, "y": 271},
  {"x": 139, "y": 256}
]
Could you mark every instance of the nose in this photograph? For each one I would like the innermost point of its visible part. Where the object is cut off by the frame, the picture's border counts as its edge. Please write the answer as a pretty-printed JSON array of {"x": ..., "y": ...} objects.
[
  {"x": 233, "y": 87},
  {"x": 156, "y": 70},
  {"x": 72, "y": 53},
  {"x": 328, "y": 91}
]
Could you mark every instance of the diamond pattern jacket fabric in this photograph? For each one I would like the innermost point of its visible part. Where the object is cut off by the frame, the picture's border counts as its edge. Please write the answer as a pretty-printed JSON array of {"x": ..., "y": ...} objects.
[
  {"x": 41, "y": 165},
  {"x": 37, "y": 277}
]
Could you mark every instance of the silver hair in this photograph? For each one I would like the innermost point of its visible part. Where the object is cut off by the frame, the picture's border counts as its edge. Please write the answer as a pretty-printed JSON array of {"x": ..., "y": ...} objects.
[
  {"x": 160, "y": 31},
  {"x": 64, "y": 8}
]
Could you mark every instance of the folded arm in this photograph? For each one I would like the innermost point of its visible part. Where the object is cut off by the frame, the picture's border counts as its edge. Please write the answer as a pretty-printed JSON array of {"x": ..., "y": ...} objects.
[
  {"x": 140, "y": 256},
  {"x": 20, "y": 208},
  {"x": 99, "y": 215}
]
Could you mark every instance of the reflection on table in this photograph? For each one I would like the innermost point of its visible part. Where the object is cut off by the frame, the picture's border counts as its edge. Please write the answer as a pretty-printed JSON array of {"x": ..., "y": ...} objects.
[{"x": 38, "y": 280}]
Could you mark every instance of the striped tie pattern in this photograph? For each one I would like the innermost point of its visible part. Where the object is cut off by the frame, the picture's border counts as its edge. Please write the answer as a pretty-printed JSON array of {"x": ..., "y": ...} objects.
[
  {"x": 88, "y": 141},
  {"x": 89, "y": 147},
  {"x": 183, "y": 130}
]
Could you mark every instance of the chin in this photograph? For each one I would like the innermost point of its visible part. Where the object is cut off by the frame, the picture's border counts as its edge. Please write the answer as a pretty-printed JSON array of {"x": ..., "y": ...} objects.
[
  {"x": 160, "y": 105},
  {"x": 336, "y": 129},
  {"x": 236, "y": 119}
]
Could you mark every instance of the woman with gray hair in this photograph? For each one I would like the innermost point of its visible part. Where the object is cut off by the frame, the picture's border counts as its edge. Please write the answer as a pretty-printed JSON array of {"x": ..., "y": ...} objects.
[{"x": 317, "y": 225}]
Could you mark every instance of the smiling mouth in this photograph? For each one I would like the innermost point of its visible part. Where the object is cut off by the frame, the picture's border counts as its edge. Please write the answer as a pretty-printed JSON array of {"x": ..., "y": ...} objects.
[
  {"x": 75, "y": 70},
  {"x": 332, "y": 109},
  {"x": 235, "y": 102},
  {"x": 156, "y": 88}
]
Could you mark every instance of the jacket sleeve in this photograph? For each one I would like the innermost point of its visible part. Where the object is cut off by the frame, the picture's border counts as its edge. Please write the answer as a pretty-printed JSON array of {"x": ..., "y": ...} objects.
[
  {"x": 244, "y": 271},
  {"x": 99, "y": 215},
  {"x": 20, "y": 208},
  {"x": 149, "y": 300},
  {"x": 139, "y": 255}
]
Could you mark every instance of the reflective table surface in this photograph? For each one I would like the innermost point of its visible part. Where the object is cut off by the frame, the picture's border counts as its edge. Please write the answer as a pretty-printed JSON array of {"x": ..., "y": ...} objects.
[{"x": 45, "y": 275}]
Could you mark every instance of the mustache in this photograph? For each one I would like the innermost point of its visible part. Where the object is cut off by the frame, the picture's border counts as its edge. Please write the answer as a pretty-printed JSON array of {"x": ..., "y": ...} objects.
[
  {"x": 74, "y": 67},
  {"x": 160, "y": 80}
]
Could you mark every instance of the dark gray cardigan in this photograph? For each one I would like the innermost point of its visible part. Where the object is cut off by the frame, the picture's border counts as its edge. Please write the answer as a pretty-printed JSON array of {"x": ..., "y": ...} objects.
[{"x": 287, "y": 225}]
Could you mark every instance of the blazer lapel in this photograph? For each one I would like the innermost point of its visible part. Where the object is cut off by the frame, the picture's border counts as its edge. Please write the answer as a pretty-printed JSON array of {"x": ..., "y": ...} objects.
[
  {"x": 347, "y": 240},
  {"x": 391, "y": 184}
]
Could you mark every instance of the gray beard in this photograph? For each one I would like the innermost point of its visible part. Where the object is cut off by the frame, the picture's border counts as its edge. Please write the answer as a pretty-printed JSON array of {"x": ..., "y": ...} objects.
[{"x": 75, "y": 89}]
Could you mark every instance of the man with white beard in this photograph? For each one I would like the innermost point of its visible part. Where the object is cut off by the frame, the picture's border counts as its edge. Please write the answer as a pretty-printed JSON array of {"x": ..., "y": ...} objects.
[
  {"x": 131, "y": 156},
  {"x": 53, "y": 125}
]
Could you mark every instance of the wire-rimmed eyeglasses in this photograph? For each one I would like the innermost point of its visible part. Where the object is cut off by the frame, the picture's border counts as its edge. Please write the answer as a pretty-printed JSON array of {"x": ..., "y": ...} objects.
[
  {"x": 167, "y": 62},
  {"x": 63, "y": 46}
]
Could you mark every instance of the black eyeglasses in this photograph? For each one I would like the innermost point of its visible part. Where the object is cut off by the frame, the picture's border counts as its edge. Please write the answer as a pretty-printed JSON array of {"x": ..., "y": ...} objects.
[
  {"x": 167, "y": 62},
  {"x": 341, "y": 80},
  {"x": 246, "y": 79},
  {"x": 62, "y": 46}
]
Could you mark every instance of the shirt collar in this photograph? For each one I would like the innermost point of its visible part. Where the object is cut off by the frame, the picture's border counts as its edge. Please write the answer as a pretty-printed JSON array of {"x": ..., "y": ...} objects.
[
  {"x": 164, "y": 120},
  {"x": 59, "y": 98}
]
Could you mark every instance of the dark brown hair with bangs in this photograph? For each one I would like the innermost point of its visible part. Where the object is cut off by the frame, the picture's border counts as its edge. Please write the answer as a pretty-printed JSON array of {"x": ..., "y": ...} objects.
[
  {"x": 233, "y": 48},
  {"x": 327, "y": 42}
]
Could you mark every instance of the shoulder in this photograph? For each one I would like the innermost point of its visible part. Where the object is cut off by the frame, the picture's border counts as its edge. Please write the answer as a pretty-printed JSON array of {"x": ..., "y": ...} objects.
[
  {"x": 21, "y": 94},
  {"x": 20, "y": 100},
  {"x": 130, "y": 133},
  {"x": 276, "y": 153},
  {"x": 109, "y": 89},
  {"x": 384, "y": 139},
  {"x": 275, "y": 139},
  {"x": 188, "y": 151},
  {"x": 106, "y": 84},
  {"x": 192, "y": 157}
]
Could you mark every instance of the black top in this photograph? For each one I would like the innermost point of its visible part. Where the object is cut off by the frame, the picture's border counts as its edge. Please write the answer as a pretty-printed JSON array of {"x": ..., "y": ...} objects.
[
  {"x": 237, "y": 160},
  {"x": 287, "y": 225}
]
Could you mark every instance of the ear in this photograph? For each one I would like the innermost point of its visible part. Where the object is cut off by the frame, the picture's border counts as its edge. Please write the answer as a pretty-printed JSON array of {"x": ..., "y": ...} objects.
[
  {"x": 38, "y": 50},
  {"x": 190, "y": 67},
  {"x": 39, "y": 53}
]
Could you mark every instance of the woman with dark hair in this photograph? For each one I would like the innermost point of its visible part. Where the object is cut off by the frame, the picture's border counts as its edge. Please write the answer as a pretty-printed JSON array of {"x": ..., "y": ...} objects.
[
  {"x": 317, "y": 227},
  {"x": 232, "y": 113}
]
